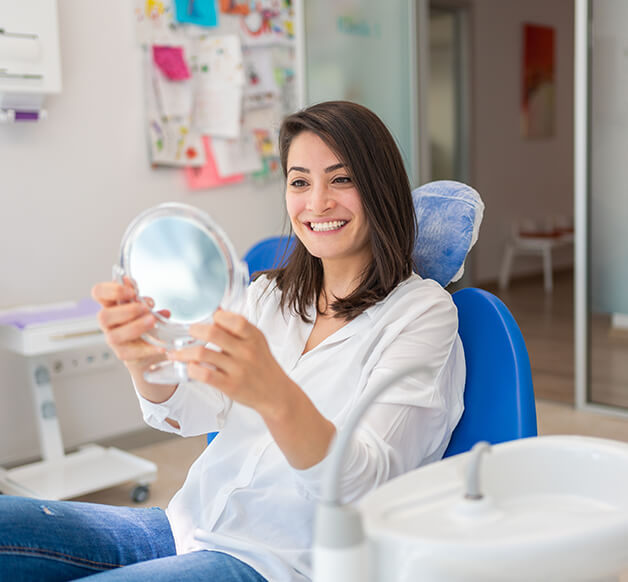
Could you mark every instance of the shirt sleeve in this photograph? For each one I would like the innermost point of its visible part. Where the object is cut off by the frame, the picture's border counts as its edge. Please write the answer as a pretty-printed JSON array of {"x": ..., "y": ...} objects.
[
  {"x": 410, "y": 424},
  {"x": 196, "y": 407}
]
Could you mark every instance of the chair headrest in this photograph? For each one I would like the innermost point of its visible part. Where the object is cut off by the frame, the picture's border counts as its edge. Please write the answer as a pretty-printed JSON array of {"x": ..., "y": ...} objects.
[{"x": 448, "y": 214}]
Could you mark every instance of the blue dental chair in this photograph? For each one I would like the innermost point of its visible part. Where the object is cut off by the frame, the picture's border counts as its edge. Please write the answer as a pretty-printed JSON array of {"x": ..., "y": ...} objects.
[
  {"x": 269, "y": 253},
  {"x": 498, "y": 395}
]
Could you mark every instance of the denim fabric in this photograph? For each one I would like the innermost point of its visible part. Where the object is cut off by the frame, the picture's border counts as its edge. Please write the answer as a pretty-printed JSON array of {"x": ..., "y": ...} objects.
[{"x": 54, "y": 541}]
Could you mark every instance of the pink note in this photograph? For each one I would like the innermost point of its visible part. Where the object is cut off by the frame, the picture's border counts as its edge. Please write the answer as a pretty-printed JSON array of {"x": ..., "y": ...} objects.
[
  {"x": 207, "y": 176},
  {"x": 171, "y": 62}
]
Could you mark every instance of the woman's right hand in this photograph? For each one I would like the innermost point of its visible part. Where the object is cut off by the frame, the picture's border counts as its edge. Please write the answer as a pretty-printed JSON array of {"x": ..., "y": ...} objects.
[{"x": 123, "y": 319}]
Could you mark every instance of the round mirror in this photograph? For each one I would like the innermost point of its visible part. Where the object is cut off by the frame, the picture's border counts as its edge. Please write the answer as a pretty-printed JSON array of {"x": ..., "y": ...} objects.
[{"x": 177, "y": 256}]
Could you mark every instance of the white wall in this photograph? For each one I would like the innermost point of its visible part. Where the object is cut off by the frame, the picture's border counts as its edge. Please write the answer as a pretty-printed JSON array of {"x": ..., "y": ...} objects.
[
  {"x": 69, "y": 186},
  {"x": 515, "y": 176}
]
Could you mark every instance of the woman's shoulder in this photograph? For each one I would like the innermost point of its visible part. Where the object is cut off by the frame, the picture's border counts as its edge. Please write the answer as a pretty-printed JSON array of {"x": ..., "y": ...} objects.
[
  {"x": 413, "y": 298},
  {"x": 415, "y": 287}
]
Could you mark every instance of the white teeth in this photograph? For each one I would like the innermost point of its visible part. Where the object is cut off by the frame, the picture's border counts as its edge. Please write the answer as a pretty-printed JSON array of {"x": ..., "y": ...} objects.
[{"x": 331, "y": 225}]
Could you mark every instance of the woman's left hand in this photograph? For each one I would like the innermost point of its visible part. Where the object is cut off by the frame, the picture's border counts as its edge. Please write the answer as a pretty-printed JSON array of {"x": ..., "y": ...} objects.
[{"x": 244, "y": 369}]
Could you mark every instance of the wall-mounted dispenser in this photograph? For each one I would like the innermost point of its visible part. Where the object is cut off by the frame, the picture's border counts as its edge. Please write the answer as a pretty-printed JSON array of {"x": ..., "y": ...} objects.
[{"x": 30, "y": 64}]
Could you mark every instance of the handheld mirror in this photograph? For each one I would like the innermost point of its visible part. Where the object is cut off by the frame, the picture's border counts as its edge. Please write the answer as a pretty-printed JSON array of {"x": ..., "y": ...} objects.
[{"x": 176, "y": 255}]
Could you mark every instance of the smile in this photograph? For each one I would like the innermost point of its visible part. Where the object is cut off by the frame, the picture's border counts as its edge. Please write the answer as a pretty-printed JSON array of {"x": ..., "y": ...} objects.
[{"x": 326, "y": 226}]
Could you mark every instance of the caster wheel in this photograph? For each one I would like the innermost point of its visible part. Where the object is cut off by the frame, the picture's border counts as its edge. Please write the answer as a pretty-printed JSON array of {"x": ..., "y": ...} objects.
[{"x": 140, "y": 493}]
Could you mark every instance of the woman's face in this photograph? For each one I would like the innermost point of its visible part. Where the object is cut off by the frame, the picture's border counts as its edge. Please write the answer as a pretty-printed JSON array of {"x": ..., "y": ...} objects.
[{"x": 324, "y": 205}]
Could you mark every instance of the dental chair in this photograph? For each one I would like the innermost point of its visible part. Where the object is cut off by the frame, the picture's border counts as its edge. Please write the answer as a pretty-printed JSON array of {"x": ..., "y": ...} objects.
[
  {"x": 498, "y": 397},
  {"x": 269, "y": 253}
]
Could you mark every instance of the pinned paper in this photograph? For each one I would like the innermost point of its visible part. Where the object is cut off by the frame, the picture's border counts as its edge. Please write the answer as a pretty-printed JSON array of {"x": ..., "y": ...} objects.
[
  {"x": 171, "y": 139},
  {"x": 207, "y": 176},
  {"x": 220, "y": 83},
  {"x": 154, "y": 22},
  {"x": 199, "y": 12},
  {"x": 171, "y": 62},
  {"x": 218, "y": 110},
  {"x": 235, "y": 6},
  {"x": 235, "y": 156},
  {"x": 219, "y": 60},
  {"x": 261, "y": 87}
]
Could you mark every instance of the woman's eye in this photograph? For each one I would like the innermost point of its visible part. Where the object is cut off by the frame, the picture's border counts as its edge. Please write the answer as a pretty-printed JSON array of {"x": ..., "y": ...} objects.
[
  {"x": 342, "y": 180},
  {"x": 298, "y": 183}
]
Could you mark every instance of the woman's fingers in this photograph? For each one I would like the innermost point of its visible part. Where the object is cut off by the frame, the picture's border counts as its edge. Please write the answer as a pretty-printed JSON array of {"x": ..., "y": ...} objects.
[
  {"x": 137, "y": 350},
  {"x": 111, "y": 293},
  {"x": 121, "y": 314},
  {"x": 204, "y": 356},
  {"x": 234, "y": 323},
  {"x": 214, "y": 334},
  {"x": 130, "y": 331}
]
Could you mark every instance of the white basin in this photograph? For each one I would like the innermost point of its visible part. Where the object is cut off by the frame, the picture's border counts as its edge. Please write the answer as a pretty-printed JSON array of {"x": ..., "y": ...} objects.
[{"x": 555, "y": 509}]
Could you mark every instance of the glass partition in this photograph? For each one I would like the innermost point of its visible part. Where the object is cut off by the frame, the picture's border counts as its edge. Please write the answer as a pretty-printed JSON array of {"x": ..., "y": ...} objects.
[
  {"x": 605, "y": 378},
  {"x": 365, "y": 51}
]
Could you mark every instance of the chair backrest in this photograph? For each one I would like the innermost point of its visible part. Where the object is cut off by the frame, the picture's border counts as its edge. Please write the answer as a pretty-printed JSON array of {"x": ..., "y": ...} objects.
[
  {"x": 268, "y": 253},
  {"x": 498, "y": 396}
]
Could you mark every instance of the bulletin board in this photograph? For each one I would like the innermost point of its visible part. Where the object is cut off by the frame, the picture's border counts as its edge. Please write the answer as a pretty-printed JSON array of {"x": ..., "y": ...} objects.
[{"x": 219, "y": 77}]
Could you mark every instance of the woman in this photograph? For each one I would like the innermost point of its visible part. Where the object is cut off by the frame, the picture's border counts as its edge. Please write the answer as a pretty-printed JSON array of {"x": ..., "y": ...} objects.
[{"x": 346, "y": 312}]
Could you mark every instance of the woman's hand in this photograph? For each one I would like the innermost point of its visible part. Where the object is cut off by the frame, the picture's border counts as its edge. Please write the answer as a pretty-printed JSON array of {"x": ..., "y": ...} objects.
[
  {"x": 243, "y": 369},
  {"x": 123, "y": 319}
]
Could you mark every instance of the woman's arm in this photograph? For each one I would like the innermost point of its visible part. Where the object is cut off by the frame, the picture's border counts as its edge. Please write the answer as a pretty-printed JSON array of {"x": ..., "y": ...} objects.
[{"x": 245, "y": 371}]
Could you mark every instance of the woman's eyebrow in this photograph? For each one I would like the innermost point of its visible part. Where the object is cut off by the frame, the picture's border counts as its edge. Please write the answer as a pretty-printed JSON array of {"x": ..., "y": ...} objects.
[
  {"x": 327, "y": 170},
  {"x": 298, "y": 169},
  {"x": 334, "y": 167}
]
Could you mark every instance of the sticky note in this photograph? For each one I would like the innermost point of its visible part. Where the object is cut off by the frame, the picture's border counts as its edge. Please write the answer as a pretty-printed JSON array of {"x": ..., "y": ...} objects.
[
  {"x": 171, "y": 62},
  {"x": 207, "y": 176},
  {"x": 199, "y": 12}
]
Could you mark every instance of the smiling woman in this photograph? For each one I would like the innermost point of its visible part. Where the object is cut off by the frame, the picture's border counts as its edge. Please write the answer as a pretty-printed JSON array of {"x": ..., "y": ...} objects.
[
  {"x": 345, "y": 180},
  {"x": 277, "y": 379}
]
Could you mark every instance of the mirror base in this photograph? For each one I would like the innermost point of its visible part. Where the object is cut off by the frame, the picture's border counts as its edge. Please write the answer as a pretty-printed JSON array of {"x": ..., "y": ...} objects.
[{"x": 167, "y": 373}]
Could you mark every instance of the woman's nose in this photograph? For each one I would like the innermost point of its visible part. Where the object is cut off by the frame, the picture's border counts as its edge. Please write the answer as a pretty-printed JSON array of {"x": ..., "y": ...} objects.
[{"x": 320, "y": 200}]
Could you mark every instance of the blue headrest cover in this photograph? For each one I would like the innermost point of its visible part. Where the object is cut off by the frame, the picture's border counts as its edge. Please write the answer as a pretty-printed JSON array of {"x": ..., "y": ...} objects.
[{"x": 448, "y": 217}]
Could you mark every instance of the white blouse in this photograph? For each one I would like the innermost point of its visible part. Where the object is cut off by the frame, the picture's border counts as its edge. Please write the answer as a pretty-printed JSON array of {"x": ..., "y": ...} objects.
[{"x": 242, "y": 497}]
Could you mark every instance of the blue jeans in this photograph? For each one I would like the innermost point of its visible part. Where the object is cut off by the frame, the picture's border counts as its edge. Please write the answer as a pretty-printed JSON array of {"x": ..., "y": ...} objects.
[{"x": 53, "y": 541}]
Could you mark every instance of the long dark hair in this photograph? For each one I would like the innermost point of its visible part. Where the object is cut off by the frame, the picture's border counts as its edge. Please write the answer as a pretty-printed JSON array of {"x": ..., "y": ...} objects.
[{"x": 363, "y": 143}]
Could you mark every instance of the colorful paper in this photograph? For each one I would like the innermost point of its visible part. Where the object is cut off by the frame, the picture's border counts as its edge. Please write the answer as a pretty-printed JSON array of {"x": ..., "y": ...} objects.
[
  {"x": 154, "y": 22},
  {"x": 207, "y": 176},
  {"x": 235, "y": 6},
  {"x": 198, "y": 12},
  {"x": 171, "y": 62},
  {"x": 171, "y": 140}
]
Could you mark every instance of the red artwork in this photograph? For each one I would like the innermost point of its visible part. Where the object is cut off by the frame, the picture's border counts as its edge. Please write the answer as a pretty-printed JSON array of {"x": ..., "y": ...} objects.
[{"x": 538, "y": 81}]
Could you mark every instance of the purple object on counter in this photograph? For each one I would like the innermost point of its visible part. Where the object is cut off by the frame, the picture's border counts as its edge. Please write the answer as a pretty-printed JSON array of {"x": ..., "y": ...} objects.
[
  {"x": 21, "y": 319},
  {"x": 26, "y": 115}
]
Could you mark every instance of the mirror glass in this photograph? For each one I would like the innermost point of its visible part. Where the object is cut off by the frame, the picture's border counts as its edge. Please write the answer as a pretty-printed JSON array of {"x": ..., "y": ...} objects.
[
  {"x": 180, "y": 267},
  {"x": 176, "y": 255}
]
